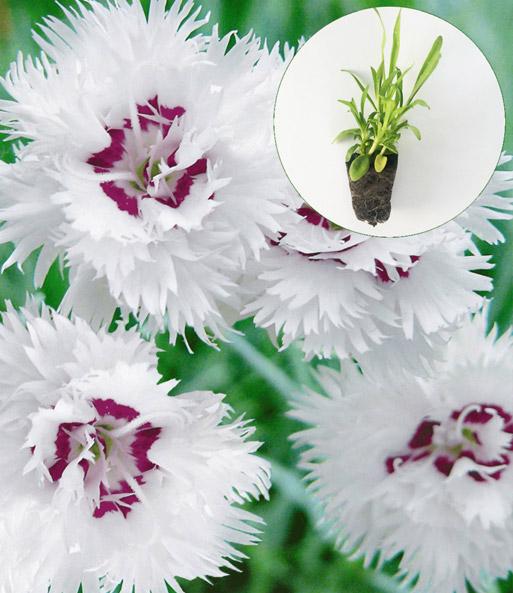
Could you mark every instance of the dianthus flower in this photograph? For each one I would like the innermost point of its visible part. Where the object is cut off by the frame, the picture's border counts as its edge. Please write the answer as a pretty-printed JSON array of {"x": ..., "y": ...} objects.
[
  {"x": 420, "y": 467},
  {"x": 105, "y": 478},
  {"x": 344, "y": 294},
  {"x": 490, "y": 205},
  {"x": 147, "y": 162}
]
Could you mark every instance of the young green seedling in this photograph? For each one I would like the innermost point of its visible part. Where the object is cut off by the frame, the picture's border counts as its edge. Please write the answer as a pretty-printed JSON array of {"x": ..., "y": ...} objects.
[{"x": 379, "y": 132}]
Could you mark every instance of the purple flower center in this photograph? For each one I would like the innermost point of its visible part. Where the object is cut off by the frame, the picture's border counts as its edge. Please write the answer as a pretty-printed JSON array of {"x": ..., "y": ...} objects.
[
  {"x": 112, "y": 456},
  {"x": 313, "y": 217},
  {"x": 476, "y": 441},
  {"x": 382, "y": 272},
  {"x": 146, "y": 158}
]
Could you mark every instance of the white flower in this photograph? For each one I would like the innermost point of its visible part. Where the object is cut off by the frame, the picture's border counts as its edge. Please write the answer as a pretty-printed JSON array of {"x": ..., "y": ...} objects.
[
  {"x": 105, "y": 478},
  {"x": 423, "y": 467},
  {"x": 147, "y": 162},
  {"x": 490, "y": 206},
  {"x": 342, "y": 293}
]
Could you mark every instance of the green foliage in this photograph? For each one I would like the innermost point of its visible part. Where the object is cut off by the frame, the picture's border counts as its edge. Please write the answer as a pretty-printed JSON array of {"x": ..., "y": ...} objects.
[{"x": 380, "y": 131}]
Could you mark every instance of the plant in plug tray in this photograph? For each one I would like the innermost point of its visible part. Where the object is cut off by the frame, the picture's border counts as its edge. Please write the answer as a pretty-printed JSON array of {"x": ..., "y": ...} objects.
[{"x": 372, "y": 161}]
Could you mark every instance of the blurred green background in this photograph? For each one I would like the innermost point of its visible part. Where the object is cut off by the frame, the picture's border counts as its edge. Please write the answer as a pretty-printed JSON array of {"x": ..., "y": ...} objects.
[{"x": 294, "y": 556}]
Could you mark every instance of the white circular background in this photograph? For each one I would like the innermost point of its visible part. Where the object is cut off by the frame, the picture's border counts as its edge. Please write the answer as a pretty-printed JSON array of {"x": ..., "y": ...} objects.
[{"x": 462, "y": 134}]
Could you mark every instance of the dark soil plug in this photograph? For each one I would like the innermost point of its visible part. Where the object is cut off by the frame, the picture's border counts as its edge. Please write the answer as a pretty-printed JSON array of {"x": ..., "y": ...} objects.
[{"x": 372, "y": 193}]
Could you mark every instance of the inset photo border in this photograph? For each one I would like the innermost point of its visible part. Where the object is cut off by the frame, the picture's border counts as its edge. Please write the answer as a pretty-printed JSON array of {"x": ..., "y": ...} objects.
[{"x": 461, "y": 132}]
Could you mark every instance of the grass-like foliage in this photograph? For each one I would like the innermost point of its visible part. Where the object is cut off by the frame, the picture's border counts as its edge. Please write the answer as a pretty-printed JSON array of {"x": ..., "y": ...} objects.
[{"x": 378, "y": 133}]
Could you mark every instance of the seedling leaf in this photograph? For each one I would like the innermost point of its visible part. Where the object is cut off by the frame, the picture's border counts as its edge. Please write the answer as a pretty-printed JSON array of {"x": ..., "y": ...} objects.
[
  {"x": 390, "y": 148},
  {"x": 381, "y": 76},
  {"x": 365, "y": 94},
  {"x": 428, "y": 66},
  {"x": 359, "y": 167},
  {"x": 375, "y": 80},
  {"x": 360, "y": 85},
  {"x": 400, "y": 76},
  {"x": 350, "y": 152},
  {"x": 354, "y": 110},
  {"x": 394, "y": 53},
  {"x": 419, "y": 102},
  {"x": 415, "y": 131},
  {"x": 384, "y": 38},
  {"x": 380, "y": 162},
  {"x": 345, "y": 133},
  {"x": 380, "y": 131}
]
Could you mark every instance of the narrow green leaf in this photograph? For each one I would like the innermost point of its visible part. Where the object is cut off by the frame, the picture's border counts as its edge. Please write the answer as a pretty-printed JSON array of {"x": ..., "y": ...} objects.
[
  {"x": 360, "y": 119},
  {"x": 398, "y": 92},
  {"x": 345, "y": 134},
  {"x": 352, "y": 106},
  {"x": 380, "y": 162},
  {"x": 365, "y": 94},
  {"x": 263, "y": 366},
  {"x": 350, "y": 152},
  {"x": 359, "y": 167},
  {"x": 401, "y": 75},
  {"x": 384, "y": 38},
  {"x": 402, "y": 125},
  {"x": 390, "y": 147},
  {"x": 375, "y": 81},
  {"x": 371, "y": 101},
  {"x": 389, "y": 107},
  {"x": 384, "y": 88},
  {"x": 408, "y": 106},
  {"x": 381, "y": 77},
  {"x": 394, "y": 52},
  {"x": 420, "y": 102},
  {"x": 415, "y": 131},
  {"x": 360, "y": 85},
  {"x": 428, "y": 66}
]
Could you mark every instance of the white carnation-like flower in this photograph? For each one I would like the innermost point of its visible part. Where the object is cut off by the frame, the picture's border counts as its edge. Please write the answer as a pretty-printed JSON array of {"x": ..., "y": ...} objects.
[
  {"x": 422, "y": 467},
  {"x": 105, "y": 478},
  {"x": 490, "y": 206},
  {"x": 147, "y": 162},
  {"x": 342, "y": 293}
]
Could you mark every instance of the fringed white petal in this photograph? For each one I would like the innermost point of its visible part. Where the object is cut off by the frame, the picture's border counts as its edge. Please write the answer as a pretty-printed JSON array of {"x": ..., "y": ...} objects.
[
  {"x": 418, "y": 466},
  {"x": 117, "y": 113},
  {"x": 344, "y": 294},
  {"x": 105, "y": 478}
]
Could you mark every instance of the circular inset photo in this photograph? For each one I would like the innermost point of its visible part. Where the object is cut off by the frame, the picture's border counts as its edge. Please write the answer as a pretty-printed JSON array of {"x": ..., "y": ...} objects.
[{"x": 389, "y": 123}]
